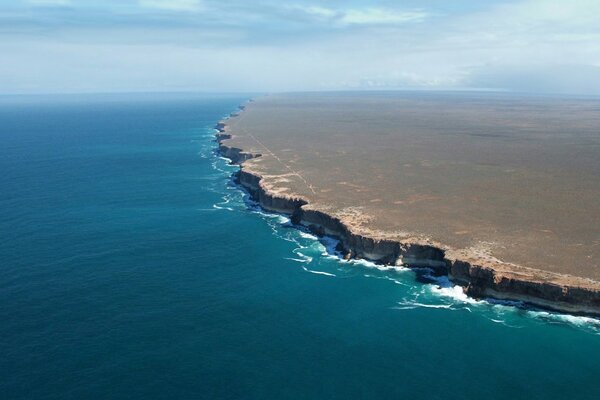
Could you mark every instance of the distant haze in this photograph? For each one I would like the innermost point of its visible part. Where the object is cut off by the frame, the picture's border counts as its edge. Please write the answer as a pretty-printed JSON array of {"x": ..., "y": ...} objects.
[{"x": 63, "y": 46}]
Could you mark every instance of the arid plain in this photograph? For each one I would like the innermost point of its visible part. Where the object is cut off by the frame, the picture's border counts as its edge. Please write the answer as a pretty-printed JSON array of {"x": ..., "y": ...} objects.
[{"x": 505, "y": 177}]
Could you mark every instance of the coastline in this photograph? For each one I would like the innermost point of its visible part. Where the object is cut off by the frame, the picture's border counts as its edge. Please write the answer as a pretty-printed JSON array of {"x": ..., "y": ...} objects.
[{"x": 480, "y": 277}]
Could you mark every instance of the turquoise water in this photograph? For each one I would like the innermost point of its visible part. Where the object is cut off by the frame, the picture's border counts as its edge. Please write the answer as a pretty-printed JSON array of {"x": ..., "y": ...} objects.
[{"x": 131, "y": 267}]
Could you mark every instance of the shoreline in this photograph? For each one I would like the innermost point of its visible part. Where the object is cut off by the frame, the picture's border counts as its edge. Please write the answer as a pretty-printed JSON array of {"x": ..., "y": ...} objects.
[{"x": 480, "y": 278}]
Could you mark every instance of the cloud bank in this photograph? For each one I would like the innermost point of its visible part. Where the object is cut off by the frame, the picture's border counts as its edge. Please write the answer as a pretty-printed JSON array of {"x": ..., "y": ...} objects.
[{"x": 170, "y": 45}]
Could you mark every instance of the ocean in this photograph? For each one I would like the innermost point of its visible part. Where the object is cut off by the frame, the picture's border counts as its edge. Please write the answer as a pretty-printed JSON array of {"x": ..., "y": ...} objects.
[{"x": 132, "y": 266}]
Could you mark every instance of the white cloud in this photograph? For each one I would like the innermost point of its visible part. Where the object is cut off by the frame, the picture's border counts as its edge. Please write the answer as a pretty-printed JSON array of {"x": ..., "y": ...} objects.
[
  {"x": 173, "y": 5},
  {"x": 362, "y": 16},
  {"x": 533, "y": 45},
  {"x": 317, "y": 11},
  {"x": 49, "y": 2},
  {"x": 380, "y": 16}
]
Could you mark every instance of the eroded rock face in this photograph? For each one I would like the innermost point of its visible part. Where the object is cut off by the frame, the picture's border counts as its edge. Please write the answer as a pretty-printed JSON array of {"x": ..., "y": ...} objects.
[
  {"x": 562, "y": 293},
  {"x": 479, "y": 278},
  {"x": 220, "y": 126},
  {"x": 237, "y": 156}
]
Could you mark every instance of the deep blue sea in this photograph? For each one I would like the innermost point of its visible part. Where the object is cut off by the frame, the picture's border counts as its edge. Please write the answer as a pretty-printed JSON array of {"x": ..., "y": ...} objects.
[{"x": 131, "y": 267}]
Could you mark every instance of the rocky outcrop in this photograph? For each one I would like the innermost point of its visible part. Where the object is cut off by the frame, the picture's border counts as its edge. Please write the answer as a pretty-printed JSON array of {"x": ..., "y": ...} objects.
[
  {"x": 553, "y": 291},
  {"x": 384, "y": 251},
  {"x": 479, "y": 278},
  {"x": 220, "y": 126},
  {"x": 237, "y": 156},
  {"x": 269, "y": 201}
]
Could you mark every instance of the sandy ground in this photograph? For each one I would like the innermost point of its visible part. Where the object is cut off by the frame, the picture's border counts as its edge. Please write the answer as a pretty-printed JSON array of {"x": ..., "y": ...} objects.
[{"x": 513, "y": 177}]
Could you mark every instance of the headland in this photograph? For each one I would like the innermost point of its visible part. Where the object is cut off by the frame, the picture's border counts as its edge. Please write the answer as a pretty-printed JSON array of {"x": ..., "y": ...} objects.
[{"x": 498, "y": 192}]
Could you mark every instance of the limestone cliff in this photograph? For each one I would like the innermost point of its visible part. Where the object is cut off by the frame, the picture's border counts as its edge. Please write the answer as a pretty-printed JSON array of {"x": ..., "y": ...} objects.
[{"x": 480, "y": 277}]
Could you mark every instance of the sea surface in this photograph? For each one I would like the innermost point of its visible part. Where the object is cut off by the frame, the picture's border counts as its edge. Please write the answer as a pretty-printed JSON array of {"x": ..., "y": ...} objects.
[{"x": 132, "y": 267}]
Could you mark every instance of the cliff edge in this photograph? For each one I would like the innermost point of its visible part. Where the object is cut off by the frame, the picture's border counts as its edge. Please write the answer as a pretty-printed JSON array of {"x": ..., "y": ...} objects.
[{"x": 481, "y": 275}]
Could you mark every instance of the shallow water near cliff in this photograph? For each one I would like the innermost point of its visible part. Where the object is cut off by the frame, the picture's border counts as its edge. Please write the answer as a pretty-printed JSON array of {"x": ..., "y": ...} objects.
[{"x": 131, "y": 266}]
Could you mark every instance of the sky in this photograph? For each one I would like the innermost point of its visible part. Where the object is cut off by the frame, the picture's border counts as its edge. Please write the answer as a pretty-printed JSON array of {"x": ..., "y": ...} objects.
[{"x": 73, "y": 46}]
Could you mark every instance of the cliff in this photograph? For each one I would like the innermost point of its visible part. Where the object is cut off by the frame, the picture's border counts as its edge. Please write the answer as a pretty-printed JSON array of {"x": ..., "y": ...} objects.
[{"x": 481, "y": 277}]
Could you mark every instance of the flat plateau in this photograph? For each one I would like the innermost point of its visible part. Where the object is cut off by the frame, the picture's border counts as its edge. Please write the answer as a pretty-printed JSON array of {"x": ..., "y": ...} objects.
[{"x": 498, "y": 191}]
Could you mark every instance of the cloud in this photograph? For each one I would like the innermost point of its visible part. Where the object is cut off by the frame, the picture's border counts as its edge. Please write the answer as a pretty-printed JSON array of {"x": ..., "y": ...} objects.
[
  {"x": 49, "y": 3},
  {"x": 362, "y": 16},
  {"x": 173, "y": 5},
  {"x": 270, "y": 45},
  {"x": 317, "y": 11},
  {"x": 381, "y": 16}
]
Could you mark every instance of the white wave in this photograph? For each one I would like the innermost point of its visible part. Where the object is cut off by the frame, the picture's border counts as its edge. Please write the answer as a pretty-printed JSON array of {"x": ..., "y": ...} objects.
[
  {"x": 443, "y": 287},
  {"x": 255, "y": 208},
  {"x": 286, "y": 238},
  {"x": 393, "y": 268},
  {"x": 365, "y": 263},
  {"x": 308, "y": 235},
  {"x": 454, "y": 292},
  {"x": 409, "y": 305},
  {"x": 387, "y": 278},
  {"x": 258, "y": 211},
  {"x": 574, "y": 320},
  {"x": 226, "y": 199},
  {"x": 318, "y": 247},
  {"x": 282, "y": 219},
  {"x": 503, "y": 322},
  {"x": 218, "y": 207},
  {"x": 297, "y": 259},
  {"x": 304, "y": 256},
  {"x": 318, "y": 272},
  {"x": 373, "y": 265}
]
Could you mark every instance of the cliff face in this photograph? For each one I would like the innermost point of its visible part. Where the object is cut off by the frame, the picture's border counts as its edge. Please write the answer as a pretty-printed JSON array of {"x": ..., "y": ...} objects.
[
  {"x": 383, "y": 251},
  {"x": 235, "y": 154},
  {"x": 270, "y": 202},
  {"x": 566, "y": 294},
  {"x": 479, "y": 278}
]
